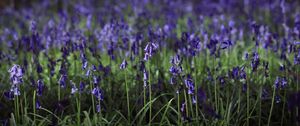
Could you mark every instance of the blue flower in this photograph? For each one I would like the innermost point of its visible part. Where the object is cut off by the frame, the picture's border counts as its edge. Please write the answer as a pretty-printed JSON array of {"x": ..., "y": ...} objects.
[
  {"x": 62, "y": 81},
  {"x": 40, "y": 87},
  {"x": 16, "y": 74},
  {"x": 226, "y": 44},
  {"x": 255, "y": 61},
  {"x": 97, "y": 92},
  {"x": 38, "y": 104},
  {"x": 189, "y": 84},
  {"x": 98, "y": 108},
  {"x": 280, "y": 82},
  {"x": 150, "y": 50},
  {"x": 81, "y": 87},
  {"x": 74, "y": 88},
  {"x": 9, "y": 95},
  {"x": 33, "y": 26},
  {"x": 123, "y": 65}
]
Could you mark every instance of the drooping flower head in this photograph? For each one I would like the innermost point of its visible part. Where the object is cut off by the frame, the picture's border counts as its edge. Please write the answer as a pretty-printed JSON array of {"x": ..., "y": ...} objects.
[
  {"x": 62, "y": 81},
  {"x": 16, "y": 74},
  {"x": 189, "y": 84},
  {"x": 40, "y": 87},
  {"x": 98, "y": 93},
  {"x": 123, "y": 65},
  {"x": 74, "y": 89},
  {"x": 150, "y": 50}
]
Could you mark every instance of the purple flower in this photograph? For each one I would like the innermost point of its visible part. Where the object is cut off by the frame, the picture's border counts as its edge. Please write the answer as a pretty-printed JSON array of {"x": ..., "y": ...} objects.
[
  {"x": 88, "y": 72},
  {"x": 98, "y": 108},
  {"x": 16, "y": 74},
  {"x": 16, "y": 90},
  {"x": 226, "y": 44},
  {"x": 175, "y": 60},
  {"x": 74, "y": 88},
  {"x": 221, "y": 80},
  {"x": 246, "y": 55},
  {"x": 40, "y": 87},
  {"x": 182, "y": 109},
  {"x": 33, "y": 26},
  {"x": 255, "y": 61},
  {"x": 81, "y": 87},
  {"x": 189, "y": 84},
  {"x": 9, "y": 95},
  {"x": 123, "y": 65},
  {"x": 150, "y": 50},
  {"x": 173, "y": 80},
  {"x": 96, "y": 80},
  {"x": 38, "y": 104},
  {"x": 194, "y": 101},
  {"x": 175, "y": 70},
  {"x": 280, "y": 82},
  {"x": 62, "y": 81},
  {"x": 235, "y": 72},
  {"x": 277, "y": 99},
  {"x": 243, "y": 74},
  {"x": 282, "y": 67},
  {"x": 97, "y": 92}
]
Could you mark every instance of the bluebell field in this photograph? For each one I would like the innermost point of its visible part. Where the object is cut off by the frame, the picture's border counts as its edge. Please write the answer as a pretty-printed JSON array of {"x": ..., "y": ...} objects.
[{"x": 150, "y": 62}]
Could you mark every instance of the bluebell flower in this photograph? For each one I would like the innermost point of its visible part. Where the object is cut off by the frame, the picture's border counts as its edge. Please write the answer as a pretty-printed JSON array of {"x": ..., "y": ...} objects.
[
  {"x": 150, "y": 50},
  {"x": 38, "y": 104},
  {"x": 98, "y": 108},
  {"x": 94, "y": 68},
  {"x": 33, "y": 26},
  {"x": 175, "y": 60},
  {"x": 88, "y": 72},
  {"x": 175, "y": 70},
  {"x": 226, "y": 44},
  {"x": 235, "y": 72},
  {"x": 9, "y": 95},
  {"x": 173, "y": 80},
  {"x": 96, "y": 80},
  {"x": 221, "y": 80},
  {"x": 246, "y": 55},
  {"x": 277, "y": 99},
  {"x": 280, "y": 83},
  {"x": 194, "y": 101},
  {"x": 40, "y": 87},
  {"x": 255, "y": 61},
  {"x": 123, "y": 64},
  {"x": 62, "y": 81},
  {"x": 212, "y": 46},
  {"x": 74, "y": 89},
  {"x": 189, "y": 84},
  {"x": 242, "y": 73},
  {"x": 81, "y": 87},
  {"x": 97, "y": 92},
  {"x": 16, "y": 74},
  {"x": 282, "y": 67},
  {"x": 16, "y": 90}
]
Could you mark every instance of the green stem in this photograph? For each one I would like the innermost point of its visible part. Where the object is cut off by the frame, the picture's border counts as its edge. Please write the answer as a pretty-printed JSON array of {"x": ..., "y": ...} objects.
[
  {"x": 272, "y": 105},
  {"x": 150, "y": 94},
  {"x": 178, "y": 109},
  {"x": 127, "y": 97},
  {"x": 33, "y": 106}
]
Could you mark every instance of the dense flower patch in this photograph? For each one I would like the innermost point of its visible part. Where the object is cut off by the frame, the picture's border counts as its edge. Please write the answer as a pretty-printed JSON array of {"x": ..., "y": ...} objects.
[{"x": 156, "y": 62}]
